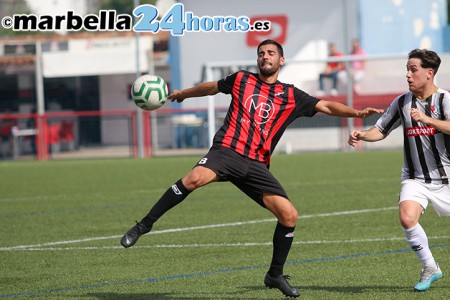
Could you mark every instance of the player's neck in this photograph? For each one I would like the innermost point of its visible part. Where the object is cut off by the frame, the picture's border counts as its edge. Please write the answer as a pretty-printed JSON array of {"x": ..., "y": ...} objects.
[
  {"x": 426, "y": 92},
  {"x": 269, "y": 79}
]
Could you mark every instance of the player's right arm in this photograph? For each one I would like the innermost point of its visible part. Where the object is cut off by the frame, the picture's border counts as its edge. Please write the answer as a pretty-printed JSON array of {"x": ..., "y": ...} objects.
[
  {"x": 371, "y": 135},
  {"x": 200, "y": 90}
]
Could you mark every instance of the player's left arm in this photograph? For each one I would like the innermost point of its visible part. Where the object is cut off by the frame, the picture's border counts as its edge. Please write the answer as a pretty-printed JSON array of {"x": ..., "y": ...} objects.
[
  {"x": 340, "y": 110},
  {"x": 441, "y": 125},
  {"x": 202, "y": 89}
]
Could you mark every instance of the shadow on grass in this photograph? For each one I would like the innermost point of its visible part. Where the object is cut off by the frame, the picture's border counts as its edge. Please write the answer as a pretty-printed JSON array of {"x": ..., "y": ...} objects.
[
  {"x": 348, "y": 290},
  {"x": 146, "y": 296},
  {"x": 141, "y": 296}
]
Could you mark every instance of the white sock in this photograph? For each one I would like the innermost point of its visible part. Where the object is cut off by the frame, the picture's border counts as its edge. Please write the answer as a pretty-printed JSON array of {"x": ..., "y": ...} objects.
[
  {"x": 417, "y": 239},
  {"x": 432, "y": 263}
]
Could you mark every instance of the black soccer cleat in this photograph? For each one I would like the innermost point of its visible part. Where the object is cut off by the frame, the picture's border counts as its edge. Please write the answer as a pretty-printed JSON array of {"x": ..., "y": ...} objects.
[
  {"x": 280, "y": 282},
  {"x": 130, "y": 238}
]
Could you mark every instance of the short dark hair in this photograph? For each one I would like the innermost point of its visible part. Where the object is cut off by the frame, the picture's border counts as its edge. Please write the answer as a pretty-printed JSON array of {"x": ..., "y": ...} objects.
[
  {"x": 429, "y": 58},
  {"x": 271, "y": 42}
]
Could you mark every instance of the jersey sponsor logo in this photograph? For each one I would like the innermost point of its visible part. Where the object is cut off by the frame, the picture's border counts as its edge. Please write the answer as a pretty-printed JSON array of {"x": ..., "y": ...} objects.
[
  {"x": 256, "y": 125},
  {"x": 264, "y": 110},
  {"x": 420, "y": 131}
]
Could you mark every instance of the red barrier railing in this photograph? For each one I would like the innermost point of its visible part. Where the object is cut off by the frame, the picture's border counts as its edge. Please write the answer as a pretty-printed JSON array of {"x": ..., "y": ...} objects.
[{"x": 43, "y": 123}]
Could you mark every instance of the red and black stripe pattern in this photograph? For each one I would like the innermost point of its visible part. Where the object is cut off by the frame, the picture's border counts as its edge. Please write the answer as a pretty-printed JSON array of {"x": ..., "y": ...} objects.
[{"x": 259, "y": 113}]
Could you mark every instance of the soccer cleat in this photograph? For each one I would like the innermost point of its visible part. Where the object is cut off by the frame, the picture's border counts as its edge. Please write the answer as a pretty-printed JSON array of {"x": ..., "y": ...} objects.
[
  {"x": 427, "y": 277},
  {"x": 130, "y": 238},
  {"x": 280, "y": 282}
]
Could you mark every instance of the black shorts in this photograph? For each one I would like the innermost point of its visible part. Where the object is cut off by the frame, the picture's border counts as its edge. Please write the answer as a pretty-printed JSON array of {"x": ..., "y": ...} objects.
[{"x": 250, "y": 176}]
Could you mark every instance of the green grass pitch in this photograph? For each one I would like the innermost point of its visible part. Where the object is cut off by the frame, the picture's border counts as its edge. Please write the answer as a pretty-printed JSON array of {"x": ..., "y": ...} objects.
[{"x": 61, "y": 222}]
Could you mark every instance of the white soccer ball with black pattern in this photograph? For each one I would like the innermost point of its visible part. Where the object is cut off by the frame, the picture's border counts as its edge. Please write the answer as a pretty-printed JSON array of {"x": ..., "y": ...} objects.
[{"x": 149, "y": 92}]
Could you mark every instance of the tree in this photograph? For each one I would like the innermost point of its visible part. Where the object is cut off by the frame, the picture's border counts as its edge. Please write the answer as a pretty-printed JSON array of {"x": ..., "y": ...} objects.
[{"x": 10, "y": 8}]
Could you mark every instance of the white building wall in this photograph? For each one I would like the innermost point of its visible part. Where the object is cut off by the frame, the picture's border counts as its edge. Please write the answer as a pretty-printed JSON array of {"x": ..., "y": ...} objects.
[
  {"x": 310, "y": 25},
  {"x": 114, "y": 96}
]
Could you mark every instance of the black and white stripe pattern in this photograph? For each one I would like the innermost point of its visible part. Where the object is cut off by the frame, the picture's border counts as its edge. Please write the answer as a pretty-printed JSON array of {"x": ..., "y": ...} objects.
[{"x": 426, "y": 150}]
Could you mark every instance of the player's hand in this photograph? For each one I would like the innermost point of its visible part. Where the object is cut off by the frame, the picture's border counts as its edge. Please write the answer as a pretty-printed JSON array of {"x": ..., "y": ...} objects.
[
  {"x": 367, "y": 112},
  {"x": 354, "y": 137},
  {"x": 418, "y": 116},
  {"x": 176, "y": 95}
]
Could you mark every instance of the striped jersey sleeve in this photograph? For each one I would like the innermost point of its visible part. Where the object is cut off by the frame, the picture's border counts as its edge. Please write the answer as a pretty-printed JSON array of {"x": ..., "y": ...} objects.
[{"x": 390, "y": 119}]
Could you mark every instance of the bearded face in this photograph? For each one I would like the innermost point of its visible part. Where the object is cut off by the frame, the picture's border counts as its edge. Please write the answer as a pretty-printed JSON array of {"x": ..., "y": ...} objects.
[
  {"x": 269, "y": 60},
  {"x": 267, "y": 68}
]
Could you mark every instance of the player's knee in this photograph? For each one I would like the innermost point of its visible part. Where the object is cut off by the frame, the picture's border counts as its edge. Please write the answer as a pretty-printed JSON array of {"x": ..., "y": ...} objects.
[
  {"x": 192, "y": 181},
  {"x": 409, "y": 214},
  {"x": 198, "y": 177},
  {"x": 407, "y": 221},
  {"x": 289, "y": 218}
]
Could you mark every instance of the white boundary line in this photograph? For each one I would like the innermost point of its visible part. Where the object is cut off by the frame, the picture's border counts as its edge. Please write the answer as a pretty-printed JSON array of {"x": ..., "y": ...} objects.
[
  {"x": 37, "y": 246},
  {"x": 393, "y": 239}
]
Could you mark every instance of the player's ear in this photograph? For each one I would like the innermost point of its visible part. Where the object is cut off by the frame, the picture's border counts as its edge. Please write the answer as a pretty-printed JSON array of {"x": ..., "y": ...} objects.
[{"x": 281, "y": 61}]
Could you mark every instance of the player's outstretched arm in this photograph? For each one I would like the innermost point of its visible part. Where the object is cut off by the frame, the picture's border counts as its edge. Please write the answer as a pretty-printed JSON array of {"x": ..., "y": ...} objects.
[
  {"x": 371, "y": 135},
  {"x": 340, "y": 110},
  {"x": 200, "y": 90}
]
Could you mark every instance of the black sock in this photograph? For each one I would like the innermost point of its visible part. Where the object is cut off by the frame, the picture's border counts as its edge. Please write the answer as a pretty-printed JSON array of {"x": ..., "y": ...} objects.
[
  {"x": 173, "y": 196},
  {"x": 282, "y": 241}
]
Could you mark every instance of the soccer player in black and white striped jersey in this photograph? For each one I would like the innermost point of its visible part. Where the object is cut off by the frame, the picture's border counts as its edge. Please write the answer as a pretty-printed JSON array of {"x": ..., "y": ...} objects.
[{"x": 424, "y": 113}]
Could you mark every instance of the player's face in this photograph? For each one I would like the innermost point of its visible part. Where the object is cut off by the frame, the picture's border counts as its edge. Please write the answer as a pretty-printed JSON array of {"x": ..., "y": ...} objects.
[
  {"x": 417, "y": 76},
  {"x": 269, "y": 60}
]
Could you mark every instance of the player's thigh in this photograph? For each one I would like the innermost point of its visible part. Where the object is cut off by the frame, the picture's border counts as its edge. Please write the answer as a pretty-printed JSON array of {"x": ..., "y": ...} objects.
[
  {"x": 198, "y": 177},
  {"x": 224, "y": 162},
  {"x": 256, "y": 181},
  {"x": 413, "y": 201},
  {"x": 213, "y": 166},
  {"x": 277, "y": 203},
  {"x": 409, "y": 213}
]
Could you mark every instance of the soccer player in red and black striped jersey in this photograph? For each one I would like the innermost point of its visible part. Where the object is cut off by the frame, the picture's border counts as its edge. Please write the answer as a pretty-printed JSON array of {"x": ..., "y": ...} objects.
[
  {"x": 424, "y": 113},
  {"x": 261, "y": 109}
]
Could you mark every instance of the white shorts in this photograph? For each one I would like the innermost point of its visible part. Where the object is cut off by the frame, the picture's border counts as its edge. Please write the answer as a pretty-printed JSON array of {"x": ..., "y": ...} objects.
[{"x": 423, "y": 193}]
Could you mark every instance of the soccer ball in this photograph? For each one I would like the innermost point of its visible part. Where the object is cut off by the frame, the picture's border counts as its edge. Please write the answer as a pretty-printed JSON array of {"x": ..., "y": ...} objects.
[{"x": 149, "y": 92}]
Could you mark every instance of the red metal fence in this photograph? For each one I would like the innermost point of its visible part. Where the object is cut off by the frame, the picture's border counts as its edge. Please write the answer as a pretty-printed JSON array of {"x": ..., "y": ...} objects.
[
  {"x": 113, "y": 133},
  {"x": 56, "y": 134}
]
